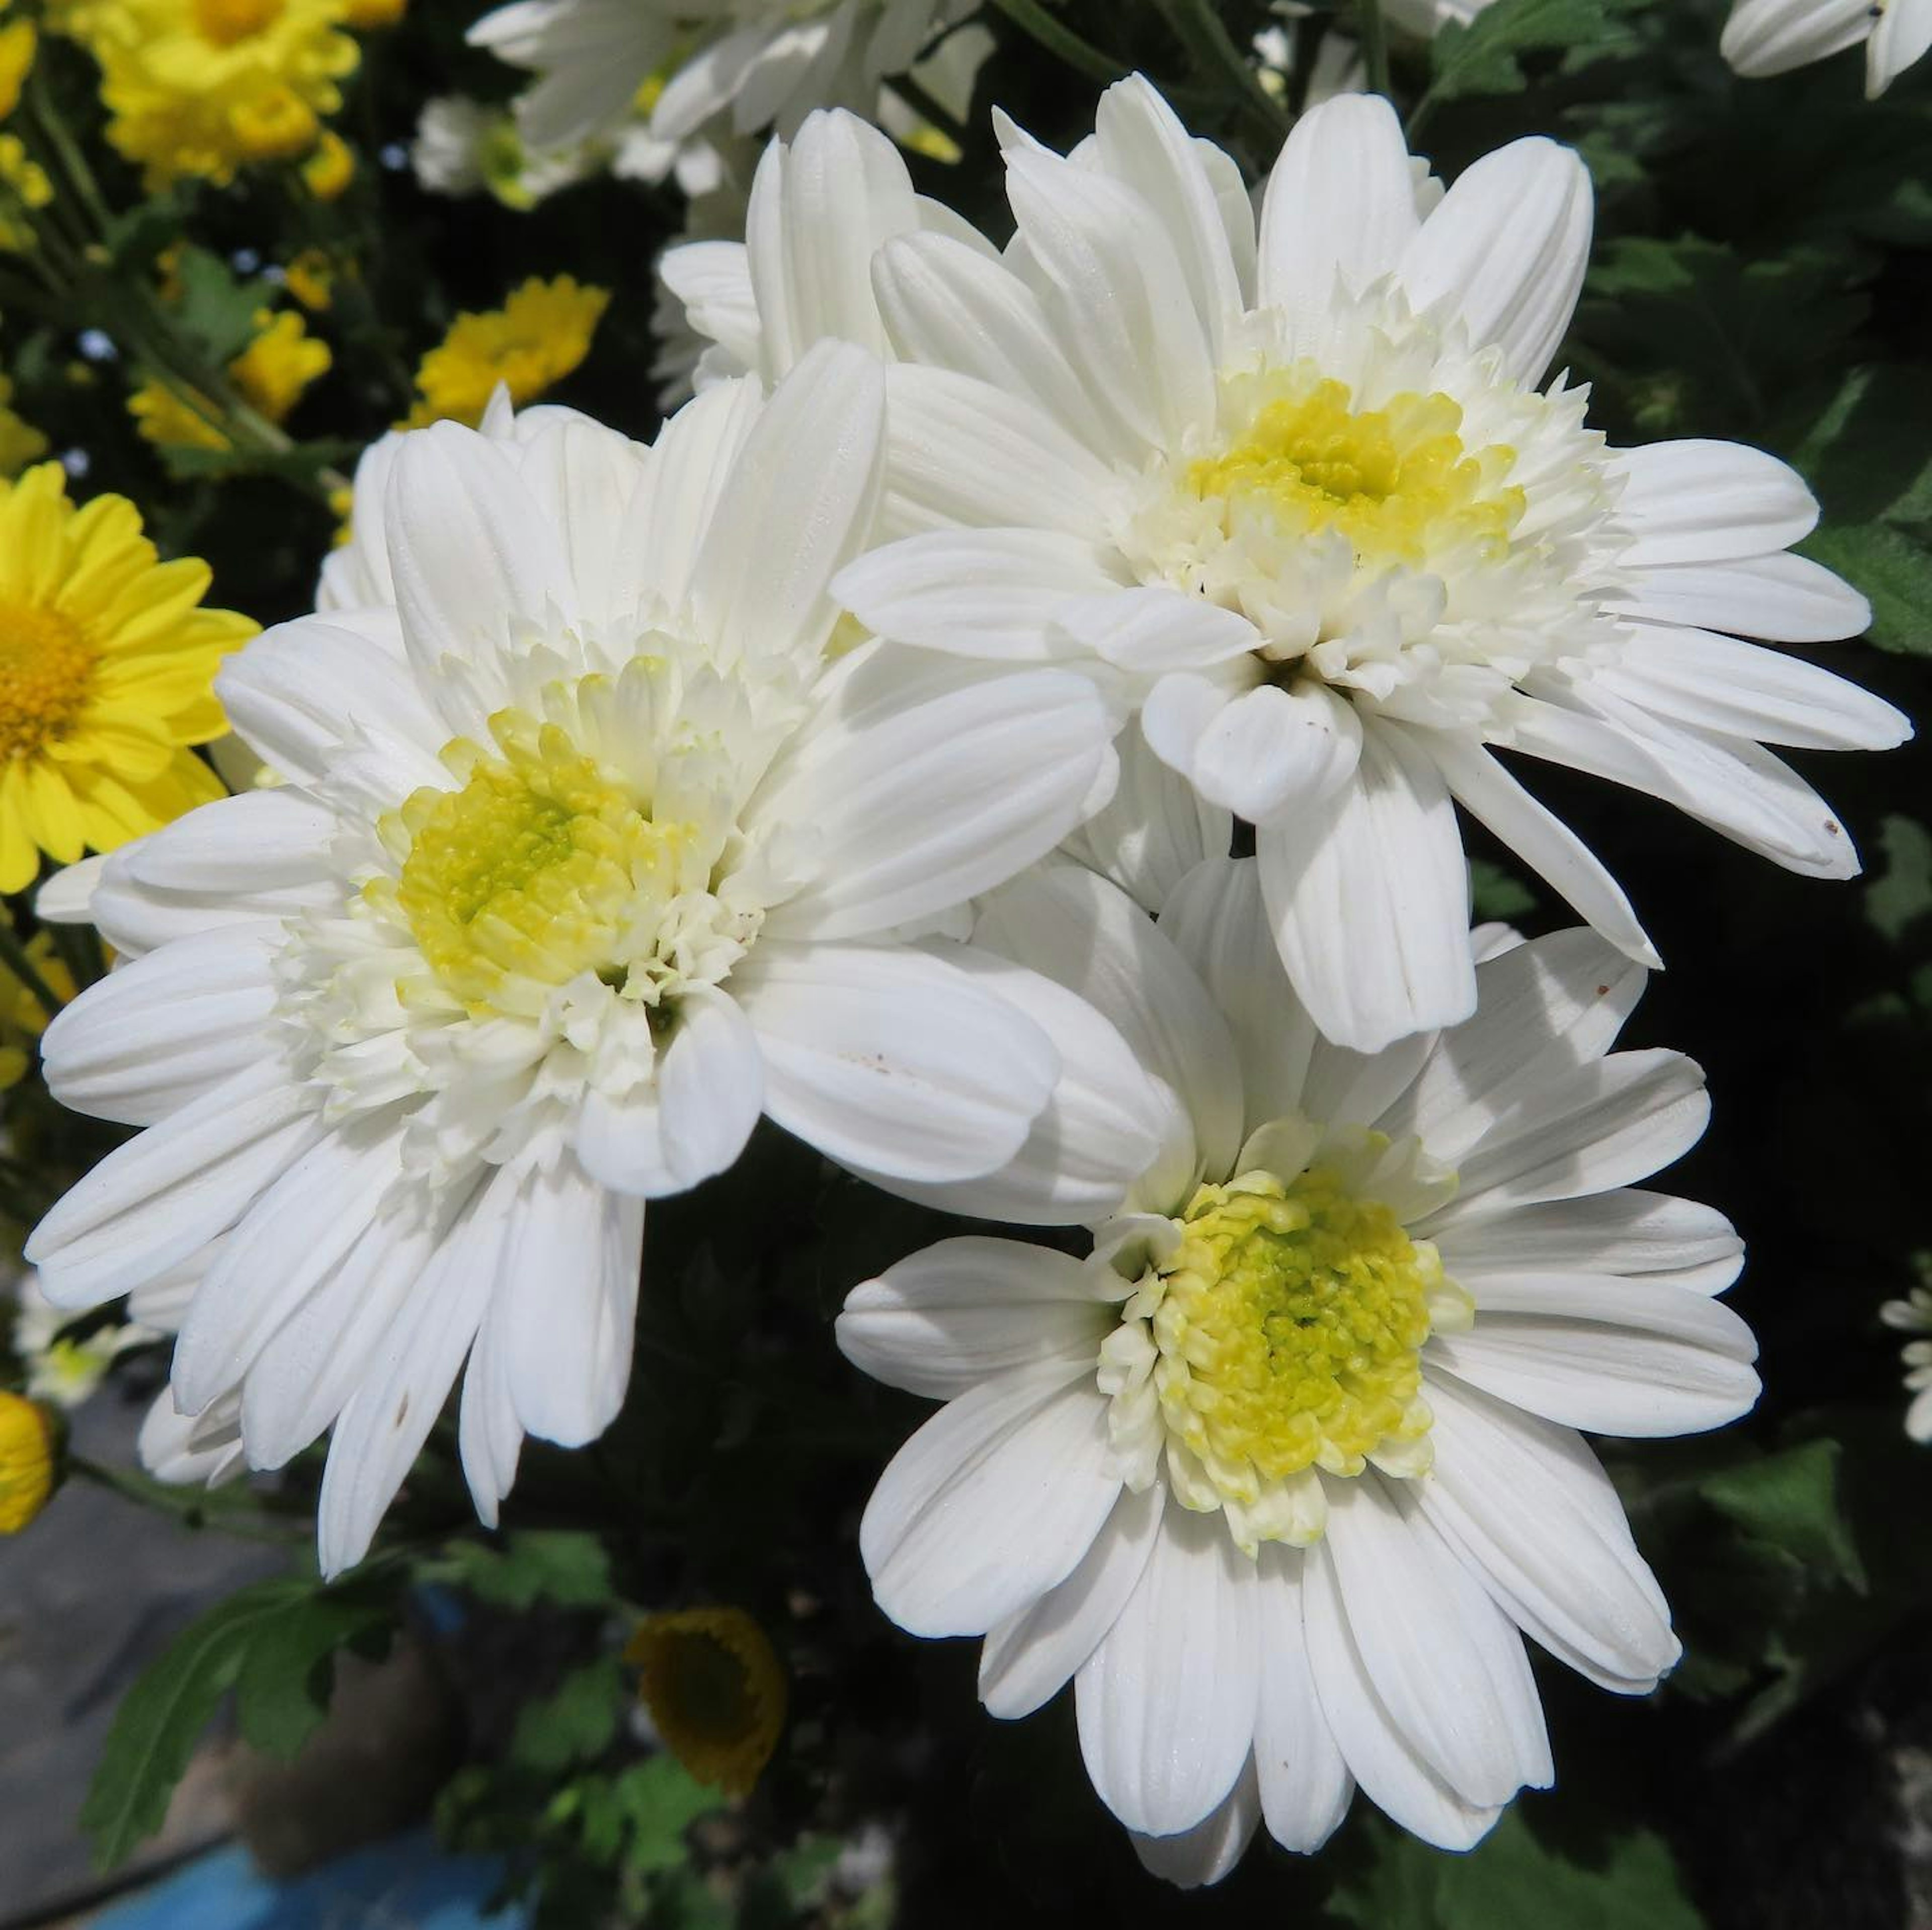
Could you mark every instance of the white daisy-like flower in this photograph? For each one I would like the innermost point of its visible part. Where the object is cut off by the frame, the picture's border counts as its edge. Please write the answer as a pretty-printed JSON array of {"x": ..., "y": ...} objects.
[
  {"x": 1913, "y": 1315},
  {"x": 1278, "y": 1476},
  {"x": 66, "y": 1372},
  {"x": 746, "y": 65},
  {"x": 584, "y": 857},
  {"x": 1297, "y": 496},
  {"x": 1762, "y": 37}
]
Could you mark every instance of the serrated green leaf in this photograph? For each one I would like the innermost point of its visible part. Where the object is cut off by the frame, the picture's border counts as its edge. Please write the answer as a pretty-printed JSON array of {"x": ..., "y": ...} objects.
[
  {"x": 266, "y": 1641},
  {"x": 215, "y": 311},
  {"x": 1892, "y": 567},
  {"x": 1511, "y": 1881},
  {"x": 559, "y": 1565},
  {"x": 575, "y": 1723},
  {"x": 1485, "y": 57},
  {"x": 661, "y": 1801},
  {"x": 1789, "y": 1503}
]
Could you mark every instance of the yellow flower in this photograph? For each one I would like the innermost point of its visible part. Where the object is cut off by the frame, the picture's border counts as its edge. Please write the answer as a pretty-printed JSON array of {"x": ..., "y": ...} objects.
[
  {"x": 23, "y": 184},
  {"x": 107, "y": 663},
  {"x": 22, "y": 1017},
  {"x": 310, "y": 276},
  {"x": 27, "y": 1444},
  {"x": 20, "y": 443},
  {"x": 365, "y": 15},
  {"x": 715, "y": 1691},
  {"x": 271, "y": 374},
  {"x": 329, "y": 170},
  {"x": 17, "y": 44},
  {"x": 200, "y": 87},
  {"x": 533, "y": 341}
]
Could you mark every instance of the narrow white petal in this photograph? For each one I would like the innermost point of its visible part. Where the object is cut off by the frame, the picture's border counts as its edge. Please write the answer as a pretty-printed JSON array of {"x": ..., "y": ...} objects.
[
  {"x": 1626, "y": 1231},
  {"x": 1305, "y": 1785},
  {"x": 1205, "y": 1854},
  {"x": 1153, "y": 630},
  {"x": 711, "y": 1086},
  {"x": 1762, "y": 37},
  {"x": 1154, "y": 832},
  {"x": 1694, "y": 502},
  {"x": 1784, "y": 599}
]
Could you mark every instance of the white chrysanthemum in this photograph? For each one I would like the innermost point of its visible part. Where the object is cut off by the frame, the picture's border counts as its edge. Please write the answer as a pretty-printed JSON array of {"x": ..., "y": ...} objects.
[
  {"x": 584, "y": 858},
  {"x": 1914, "y": 1316},
  {"x": 1762, "y": 37},
  {"x": 1277, "y": 1475},
  {"x": 749, "y": 64},
  {"x": 65, "y": 1372},
  {"x": 1299, "y": 499}
]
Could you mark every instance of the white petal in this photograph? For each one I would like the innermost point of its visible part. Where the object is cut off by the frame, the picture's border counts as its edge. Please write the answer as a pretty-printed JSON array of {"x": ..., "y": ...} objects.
[
  {"x": 993, "y": 1501},
  {"x": 1762, "y": 37},
  {"x": 154, "y": 1200},
  {"x": 691, "y": 461},
  {"x": 1085, "y": 934},
  {"x": 1695, "y": 501},
  {"x": 1536, "y": 1519},
  {"x": 892, "y": 1058},
  {"x": 1272, "y": 752},
  {"x": 1340, "y": 203},
  {"x": 1505, "y": 250},
  {"x": 1152, "y": 630},
  {"x": 798, "y": 505},
  {"x": 1626, "y": 1231},
  {"x": 966, "y": 1310},
  {"x": 924, "y": 782},
  {"x": 66, "y": 896},
  {"x": 1785, "y": 599},
  {"x": 1901, "y": 37},
  {"x": 711, "y": 1086},
  {"x": 1368, "y": 898},
  {"x": 1155, "y": 830},
  {"x": 1305, "y": 1785},
  {"x": 1205, "y": 1854},
  {"x": 1030, "y": 1656},
  {"x": 1166, "y": 1703},
  {"x": 713, "y": 281}
]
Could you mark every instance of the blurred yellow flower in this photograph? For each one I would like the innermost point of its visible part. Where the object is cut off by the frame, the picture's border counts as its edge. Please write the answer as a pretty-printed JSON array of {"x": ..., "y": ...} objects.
[
  {"x": 23, "y": 185},
  {"x": 310, "y": 278},
  {"x": 18, "y": 43},
  {"x": 271, "y": 374},
  {"x": 27, "y": 1444},
  {"x": 107, "y": 663},
  {"x": 363, "y": 15},
  {"x": 20, "y": 443},
  {"x": 200, "y": 87},
  {"x": 716, "y": 1691},
  {"x": 533, "y": 341},
  {"x": 329, "y": 171},
  {"x": 22, "y": 1017}
]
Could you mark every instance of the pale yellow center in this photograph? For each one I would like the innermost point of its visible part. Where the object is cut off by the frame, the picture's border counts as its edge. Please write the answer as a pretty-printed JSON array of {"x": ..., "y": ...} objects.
[
  {"x": 222, "y": 23},
  {"x": 46, "y": 670},
  {"x": 1290, "y": 1330},
  {"x": 539, "y": 869},
  {"x": 1397, "y": 481}
]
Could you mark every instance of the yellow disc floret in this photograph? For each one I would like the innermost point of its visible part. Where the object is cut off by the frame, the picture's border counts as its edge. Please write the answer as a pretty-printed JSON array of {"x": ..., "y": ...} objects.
[
  {"x": 1284, "y": 1334},
  {"x": 1397, "y": 481},
  {"x": 27, "y": 1455},
  {"x": 715, "y": 1691},
  {"x": 539, "y": 868}
]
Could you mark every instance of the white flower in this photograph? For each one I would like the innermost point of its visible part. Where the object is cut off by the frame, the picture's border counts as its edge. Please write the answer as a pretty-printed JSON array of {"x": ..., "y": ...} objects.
[
  {"x": 584, "y": 857},
  {"x": 1914, "y": 1316},
  {"x": 1276, "y": 1476},
  {"x": 755, "y": 64},
  {"x": 1298, "y": 497},
  {"x": 1762, "y": 37},
  {"x": 65, "y": 1372}
]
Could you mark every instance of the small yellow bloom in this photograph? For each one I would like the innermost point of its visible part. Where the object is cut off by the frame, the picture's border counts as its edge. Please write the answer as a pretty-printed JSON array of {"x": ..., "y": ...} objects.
[
  {"x": 22, "y": 1017},
  {"x": 26, "y": 1461},
  {"x": 17, "y": 45},
  {"x": 366, "y": 15},
  {"x": 329, "y": 170},
  {"x": 271, "y": 373},
  {"x": 107, "y": 664},
  {"x": 202, "y": 87},
  {"x": 20, "y": 443},
  {"x": 23, "y": 185},
  {"x": 715, "y": 1691},
  {"x": 310, "y": 277},
  {"x": 532, "y": 342}
]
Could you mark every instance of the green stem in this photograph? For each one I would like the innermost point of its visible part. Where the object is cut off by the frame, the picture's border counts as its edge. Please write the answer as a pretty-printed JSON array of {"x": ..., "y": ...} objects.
[
  {"x": 1197, "y": 26},
  {"x": 1375, "y": 45},
  {"x": 68, "y": 151},
  {"x": 195, "y": 1505},
  {"x": 1033, "y": 19},
  {"x": 13, "y": 955}
]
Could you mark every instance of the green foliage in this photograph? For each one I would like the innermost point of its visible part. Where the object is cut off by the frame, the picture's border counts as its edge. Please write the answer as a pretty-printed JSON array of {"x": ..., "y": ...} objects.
[
  {"x": 1787, "y": 1507},
  {"x": 274, "y": 1645},
  {"x": 575, "y": 1724},
  {"x": 1487, "y": 56},
  {"x": 568, "y": 1567},
  {"x": 1512, "y": 1881}
]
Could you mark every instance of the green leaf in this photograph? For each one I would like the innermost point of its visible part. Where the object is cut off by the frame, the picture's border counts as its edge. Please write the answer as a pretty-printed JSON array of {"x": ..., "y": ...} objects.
[
  {"x": 559, "y": 1565},
  {"x": 1497, "y": 894},
  {"x": 1893, "y": 566},
  {"x": 576, "y": 1723},
  {"x": 1900, "y": 894},
  {"x": 268, "y": 1641},
  {"x": 1788, "y": 1504},
  {"x": 1511, "y": 1881},
  {"x": 216, "y": 312},
  {"x": 661, "y": 1801},
  {"x": 1486, "y": 57}
]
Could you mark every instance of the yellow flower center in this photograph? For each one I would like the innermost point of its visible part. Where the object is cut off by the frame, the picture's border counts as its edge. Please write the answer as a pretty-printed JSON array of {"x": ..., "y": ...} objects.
[
  {"x": 1287, "y": 1330},
  {"x": 222, "y": 23},
  {"x": 46, "y": 668},
  {"x": 540, "y": 868},
  {"x": 1398, "y": 481}
]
